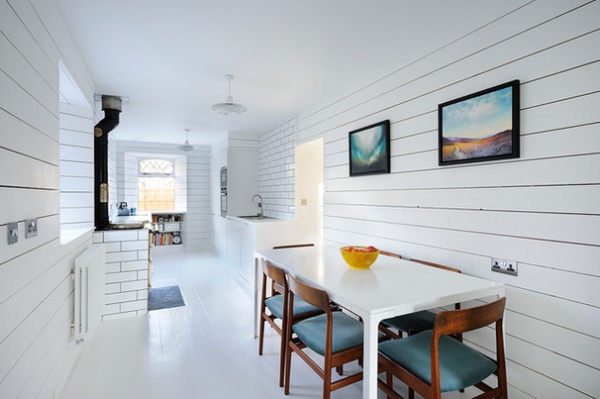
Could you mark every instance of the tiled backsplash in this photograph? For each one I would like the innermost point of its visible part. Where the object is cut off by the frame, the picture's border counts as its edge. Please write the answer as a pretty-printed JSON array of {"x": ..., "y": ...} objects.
[{"x": 276, "y": 170}]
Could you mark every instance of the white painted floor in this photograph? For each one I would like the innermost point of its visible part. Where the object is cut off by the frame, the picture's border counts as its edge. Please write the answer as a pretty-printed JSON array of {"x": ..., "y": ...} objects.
[{"x": 205, "y": 349}]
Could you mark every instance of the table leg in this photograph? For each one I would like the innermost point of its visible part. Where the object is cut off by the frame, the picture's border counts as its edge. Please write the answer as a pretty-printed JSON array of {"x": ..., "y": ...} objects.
[{"x": 370, "y": 357}]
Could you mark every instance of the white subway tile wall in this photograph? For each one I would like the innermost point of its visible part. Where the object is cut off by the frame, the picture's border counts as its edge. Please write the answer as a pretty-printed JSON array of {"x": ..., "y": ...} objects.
[
  {"x": 276, "y": 170},
  {"x": 126, "y": 272}
]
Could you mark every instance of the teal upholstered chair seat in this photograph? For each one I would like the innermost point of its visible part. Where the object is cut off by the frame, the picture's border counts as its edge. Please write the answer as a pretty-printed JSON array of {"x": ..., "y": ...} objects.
[
  {"x": 435, "y": 361},
  {"x": 460, "y": 365},
  {"x": 347, "y": 332},
  {"x": 335, "y": 335},
  {"x": 275, "y": 306},
  {"x": 418, "y": 321}
]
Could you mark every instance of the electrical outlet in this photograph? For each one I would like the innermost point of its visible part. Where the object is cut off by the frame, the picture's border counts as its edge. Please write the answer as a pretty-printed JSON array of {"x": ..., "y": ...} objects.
[
  {"x": 504, "y": 266},
  {"x": 13, "y": 232},
  {"x": 31, "y": 228}
]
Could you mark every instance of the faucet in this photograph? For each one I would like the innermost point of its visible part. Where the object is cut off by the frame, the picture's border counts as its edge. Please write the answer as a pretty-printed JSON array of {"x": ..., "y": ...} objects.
[{"x": 260, "y": 207}]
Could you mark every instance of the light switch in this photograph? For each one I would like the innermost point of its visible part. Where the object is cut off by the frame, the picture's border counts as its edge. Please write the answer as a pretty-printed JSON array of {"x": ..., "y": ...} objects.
[
  {"x": 13, "y": 233},
  {"x": 31, "y": 228}
]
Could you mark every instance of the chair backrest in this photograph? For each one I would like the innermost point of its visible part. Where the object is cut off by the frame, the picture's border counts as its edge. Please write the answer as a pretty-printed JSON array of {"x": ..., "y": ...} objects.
[
  {"x": 310, "y": 294},
  {"x": 293, "y": 246},
  {"x": 456, "y": 322},
  {"x": 451, "y": 322},
  {"x": 277, "y": 276},
  {"x": 392, "y": 254},
  {"x": 424, "y": 262}
]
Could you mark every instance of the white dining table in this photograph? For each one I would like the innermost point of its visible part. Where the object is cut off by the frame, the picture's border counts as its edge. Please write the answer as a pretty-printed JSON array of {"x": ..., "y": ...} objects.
[{"x": 391, "y": 287}]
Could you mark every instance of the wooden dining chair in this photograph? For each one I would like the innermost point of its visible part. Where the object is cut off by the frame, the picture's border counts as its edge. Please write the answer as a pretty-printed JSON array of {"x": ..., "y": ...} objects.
[
  {"x": 391, "y": 254},
  {"x": 334, "y": 335},
  {"x": 414, "y": 322},
  {"x": 274, "y": 307},
  {"x": 432, "y": 362},
  {"x": 294, "y": 246}
]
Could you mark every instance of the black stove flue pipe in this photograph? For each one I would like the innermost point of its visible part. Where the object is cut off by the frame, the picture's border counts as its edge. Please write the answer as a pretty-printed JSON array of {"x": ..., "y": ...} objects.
[{"x": 111, "y": 105}]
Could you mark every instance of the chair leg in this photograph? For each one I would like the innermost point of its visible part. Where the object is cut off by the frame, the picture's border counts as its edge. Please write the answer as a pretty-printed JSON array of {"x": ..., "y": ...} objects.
[
  {"x": 288, "y": 368},
  {"x": 411, "y": 393},
  {"x": 261, "y": 335},
  {"x": 282, "y": 352},
  {"x": 327, "y": 382}
]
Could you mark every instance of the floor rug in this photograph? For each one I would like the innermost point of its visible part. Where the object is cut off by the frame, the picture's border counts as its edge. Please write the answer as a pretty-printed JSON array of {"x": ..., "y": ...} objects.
[{"x": 164, "y": 298}]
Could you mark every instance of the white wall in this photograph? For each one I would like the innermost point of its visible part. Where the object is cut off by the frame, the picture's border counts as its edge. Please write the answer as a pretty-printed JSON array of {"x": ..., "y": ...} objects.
[
  {"x": 76, "y": 168},
  {"x": 36, "y": 290},
  {"x": 542, "y": 210}
]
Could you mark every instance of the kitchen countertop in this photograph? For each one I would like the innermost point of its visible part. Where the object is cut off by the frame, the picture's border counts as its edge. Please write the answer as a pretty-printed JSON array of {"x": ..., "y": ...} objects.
[
  {"x": 131, "y": 219},
  {"x": 255, "y": 220}
]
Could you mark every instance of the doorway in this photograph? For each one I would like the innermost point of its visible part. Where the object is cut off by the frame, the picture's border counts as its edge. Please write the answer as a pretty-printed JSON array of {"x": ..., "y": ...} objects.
[{"x": 309, "y": 191}]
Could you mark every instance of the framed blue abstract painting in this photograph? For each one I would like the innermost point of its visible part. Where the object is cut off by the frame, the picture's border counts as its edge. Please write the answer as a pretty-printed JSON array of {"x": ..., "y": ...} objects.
[{"x": 369, "y": 149}]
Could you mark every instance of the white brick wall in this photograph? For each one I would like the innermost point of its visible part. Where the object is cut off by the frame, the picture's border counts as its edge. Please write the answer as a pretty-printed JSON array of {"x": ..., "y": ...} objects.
[
  {"x": 126, "y": 272},
  {"x": 276, "y": 170}
]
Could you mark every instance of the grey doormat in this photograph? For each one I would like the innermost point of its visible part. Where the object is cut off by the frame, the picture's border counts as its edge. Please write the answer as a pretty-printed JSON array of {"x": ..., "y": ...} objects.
[{"x": 164, "y": 298}]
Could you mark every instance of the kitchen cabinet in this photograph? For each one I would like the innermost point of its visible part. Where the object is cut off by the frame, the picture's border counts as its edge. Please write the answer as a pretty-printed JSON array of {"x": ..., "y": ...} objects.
[
  {"x": 244, "y": 236},
  {"x": 241, "y": 238},
  {"x": 242, "y": 180}
]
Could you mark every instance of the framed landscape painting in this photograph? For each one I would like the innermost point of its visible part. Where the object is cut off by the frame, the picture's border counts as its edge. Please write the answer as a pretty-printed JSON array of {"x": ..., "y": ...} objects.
[
  {"x": 369, "y": 149},
  {"x": 480, "y": 127}
]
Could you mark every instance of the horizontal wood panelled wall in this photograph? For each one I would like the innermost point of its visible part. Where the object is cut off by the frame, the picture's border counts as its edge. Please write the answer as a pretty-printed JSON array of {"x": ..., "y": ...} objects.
[
  {"x": 76, "y": 167},
  {"x": 36, "y": 290},
  {"x": 541, "y": 210}
]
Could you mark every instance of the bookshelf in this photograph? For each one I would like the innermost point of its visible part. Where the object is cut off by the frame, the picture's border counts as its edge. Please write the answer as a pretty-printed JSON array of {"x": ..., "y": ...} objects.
[{"x": 166, "y": 229}]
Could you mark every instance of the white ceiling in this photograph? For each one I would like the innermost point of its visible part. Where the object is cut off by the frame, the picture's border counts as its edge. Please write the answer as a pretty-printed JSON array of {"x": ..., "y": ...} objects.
[{"x": 170, "y": 57}]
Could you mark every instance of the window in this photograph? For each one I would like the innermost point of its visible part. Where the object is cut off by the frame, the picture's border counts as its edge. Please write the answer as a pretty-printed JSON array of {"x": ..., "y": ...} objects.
[{"x": 156, "y": 185}]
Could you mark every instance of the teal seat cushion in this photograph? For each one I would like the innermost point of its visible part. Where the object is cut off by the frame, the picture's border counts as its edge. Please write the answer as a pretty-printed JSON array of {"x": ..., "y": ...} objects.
[
  {"x": 418, "y": 321},
  {"x": 460, "y": 365},
  {"x": 275, "y": 306},
  {"x": 347, "y": 332}
]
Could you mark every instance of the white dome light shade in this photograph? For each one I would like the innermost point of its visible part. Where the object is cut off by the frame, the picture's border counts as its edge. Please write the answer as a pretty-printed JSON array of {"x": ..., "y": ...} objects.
[
  {"x": 186, "y": 146},
  {"x": 229, "y": 107}
]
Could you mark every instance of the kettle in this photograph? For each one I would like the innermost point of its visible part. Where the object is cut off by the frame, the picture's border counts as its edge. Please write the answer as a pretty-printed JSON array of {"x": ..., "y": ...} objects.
[{"x": 123, "y": 210}]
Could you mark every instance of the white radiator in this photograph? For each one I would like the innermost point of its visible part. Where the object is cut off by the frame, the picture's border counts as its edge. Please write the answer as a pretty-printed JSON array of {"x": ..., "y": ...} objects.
[{"x": 89, "y": 276}]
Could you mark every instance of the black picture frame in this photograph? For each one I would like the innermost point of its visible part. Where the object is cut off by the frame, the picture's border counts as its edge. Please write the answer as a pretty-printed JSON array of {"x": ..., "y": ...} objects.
[
  {"x": 482, "y": 126},
  {"x": 369, "y": 149}
]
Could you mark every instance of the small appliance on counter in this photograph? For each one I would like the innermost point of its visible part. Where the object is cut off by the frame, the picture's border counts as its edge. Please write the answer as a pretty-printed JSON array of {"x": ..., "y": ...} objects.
[{"x": 123, "y": 210}]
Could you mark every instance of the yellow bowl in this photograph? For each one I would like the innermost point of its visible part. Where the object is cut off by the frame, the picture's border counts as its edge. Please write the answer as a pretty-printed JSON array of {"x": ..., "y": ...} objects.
[{"x": 359, "y": 259}]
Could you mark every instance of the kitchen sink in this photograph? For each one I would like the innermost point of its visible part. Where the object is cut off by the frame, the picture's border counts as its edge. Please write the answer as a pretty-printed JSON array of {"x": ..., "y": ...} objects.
[{"x": 255, "y": 217}]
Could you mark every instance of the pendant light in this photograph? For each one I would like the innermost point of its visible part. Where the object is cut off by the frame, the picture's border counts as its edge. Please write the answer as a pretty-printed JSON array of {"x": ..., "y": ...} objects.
[
  {"x": 186, "y": 146},
  {"x": 229, "y": 107}
]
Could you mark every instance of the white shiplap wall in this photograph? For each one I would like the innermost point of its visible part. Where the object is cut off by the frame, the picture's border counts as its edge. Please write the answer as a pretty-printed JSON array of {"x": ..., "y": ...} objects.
[
  {"x": 542, "y": 210},
  {"x": 76, "y": 167},
  {"x": 36, "y": 290},
  {"x": 276, "y": 165}
]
